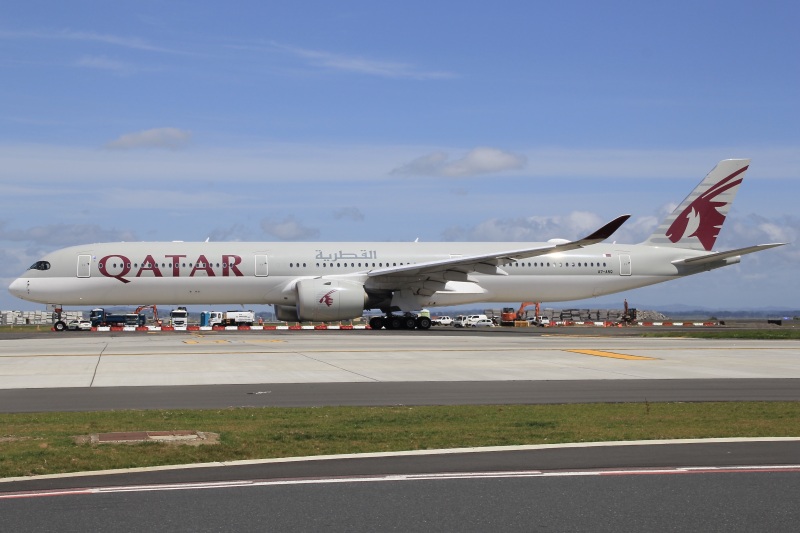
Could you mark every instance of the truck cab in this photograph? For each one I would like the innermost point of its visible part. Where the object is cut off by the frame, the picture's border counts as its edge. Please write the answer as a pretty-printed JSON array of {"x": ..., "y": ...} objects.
[{"x": 179, "y": 318}]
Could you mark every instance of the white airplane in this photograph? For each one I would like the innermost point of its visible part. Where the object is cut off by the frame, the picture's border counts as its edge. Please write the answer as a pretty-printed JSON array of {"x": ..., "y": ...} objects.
[{"x": 339, "y": 280}]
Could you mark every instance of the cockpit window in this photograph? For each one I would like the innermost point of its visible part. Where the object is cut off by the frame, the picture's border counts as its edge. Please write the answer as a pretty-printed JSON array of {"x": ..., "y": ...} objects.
[{"x": 40, "y": 265}]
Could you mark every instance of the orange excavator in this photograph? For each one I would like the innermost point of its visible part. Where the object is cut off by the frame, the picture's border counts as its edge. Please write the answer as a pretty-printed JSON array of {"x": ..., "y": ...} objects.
[
  {"x": 156, "y": 321},
  {"x": 509, "y": 316}
]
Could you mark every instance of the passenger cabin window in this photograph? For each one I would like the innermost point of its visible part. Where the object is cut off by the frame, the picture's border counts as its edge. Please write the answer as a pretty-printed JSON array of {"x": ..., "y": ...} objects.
[{"x": 40, "y": 265}]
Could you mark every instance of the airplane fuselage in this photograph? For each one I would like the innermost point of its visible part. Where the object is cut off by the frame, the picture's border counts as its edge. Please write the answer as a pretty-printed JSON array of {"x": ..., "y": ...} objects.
[{"x": 184, "y": 273}]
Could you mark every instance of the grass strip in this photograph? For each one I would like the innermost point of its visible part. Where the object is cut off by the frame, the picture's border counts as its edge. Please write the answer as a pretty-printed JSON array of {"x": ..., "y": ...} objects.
[
  {"x": 43, "y": 443},
  {"x": 754, "y": 334}
]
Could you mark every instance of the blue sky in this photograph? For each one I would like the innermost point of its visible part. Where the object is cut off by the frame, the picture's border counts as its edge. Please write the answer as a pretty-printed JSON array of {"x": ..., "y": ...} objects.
[{"x": 363, "y": 121}]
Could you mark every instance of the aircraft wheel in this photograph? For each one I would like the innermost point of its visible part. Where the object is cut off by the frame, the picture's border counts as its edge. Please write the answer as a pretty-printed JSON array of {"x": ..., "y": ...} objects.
[
  {"x": 409, "y": 322},
  {"x": 395, "y": 323},
  {"x": 60, "y": 326},
  {"x": 376, "y": 322},
  {"x": 424, "y": 322}
]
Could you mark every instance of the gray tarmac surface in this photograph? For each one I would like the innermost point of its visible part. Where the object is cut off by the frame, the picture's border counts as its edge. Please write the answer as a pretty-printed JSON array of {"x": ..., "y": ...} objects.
[
  {"x": 606, "y": 503},
  {"x": 89, "y": 371},
  {"x": 396, "y": 393},
  {"x": 674, "y": 486},
  {"x": 562, "y": 489},
  {"x": 88, "y": 360}
]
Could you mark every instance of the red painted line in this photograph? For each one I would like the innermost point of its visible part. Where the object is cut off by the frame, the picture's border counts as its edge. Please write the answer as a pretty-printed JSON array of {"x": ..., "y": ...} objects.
[{"x": 410, "y": 477}]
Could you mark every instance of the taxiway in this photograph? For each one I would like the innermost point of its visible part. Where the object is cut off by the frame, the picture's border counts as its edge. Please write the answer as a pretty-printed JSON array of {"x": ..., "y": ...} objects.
[{"x": 91, "y": 361}]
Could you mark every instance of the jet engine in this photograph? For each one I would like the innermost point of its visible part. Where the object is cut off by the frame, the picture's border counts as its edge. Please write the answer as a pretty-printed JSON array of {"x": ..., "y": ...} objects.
[{"x": 325, "y": 300}]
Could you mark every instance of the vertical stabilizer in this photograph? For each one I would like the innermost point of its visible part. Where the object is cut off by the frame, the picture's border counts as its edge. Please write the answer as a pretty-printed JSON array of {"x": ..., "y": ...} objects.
[{"x": 697, "y": 221}]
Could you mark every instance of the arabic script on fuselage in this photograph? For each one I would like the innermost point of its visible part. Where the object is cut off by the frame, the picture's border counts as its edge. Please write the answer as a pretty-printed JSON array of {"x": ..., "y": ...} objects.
[{"x": 340, "y": 255}]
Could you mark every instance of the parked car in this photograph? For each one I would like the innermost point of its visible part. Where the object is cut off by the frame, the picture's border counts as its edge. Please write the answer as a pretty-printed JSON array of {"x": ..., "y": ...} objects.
[
  {"x": 483, "y": 323},
  {"x": 472, "y": 319},
  {"x": 539, "y": 321},
  {"x": 442, "y": 321},
  {"x": 460, "y": 322},
  {"x": 82, "y": 325}
]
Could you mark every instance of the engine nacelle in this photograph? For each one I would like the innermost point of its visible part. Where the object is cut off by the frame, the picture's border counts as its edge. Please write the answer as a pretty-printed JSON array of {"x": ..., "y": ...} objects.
[{"x": 328, "y": 300}]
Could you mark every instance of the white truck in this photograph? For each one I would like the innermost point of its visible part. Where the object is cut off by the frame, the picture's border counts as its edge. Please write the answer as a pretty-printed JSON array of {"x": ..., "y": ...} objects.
[
  {"x": 227, "y": 318},
  {"x": 179, "y": 318},
  {"x": 467, "y": 321}
]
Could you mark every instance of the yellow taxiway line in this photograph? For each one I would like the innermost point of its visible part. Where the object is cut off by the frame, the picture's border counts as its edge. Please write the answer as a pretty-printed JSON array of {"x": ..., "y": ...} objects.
[{"x": 613, "y": 355}]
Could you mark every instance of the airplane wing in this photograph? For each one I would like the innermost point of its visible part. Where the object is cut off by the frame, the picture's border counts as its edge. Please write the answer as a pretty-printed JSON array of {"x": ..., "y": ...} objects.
[
  {"x": 718, "y": 256},
  {"x": 457, "y": 268}
]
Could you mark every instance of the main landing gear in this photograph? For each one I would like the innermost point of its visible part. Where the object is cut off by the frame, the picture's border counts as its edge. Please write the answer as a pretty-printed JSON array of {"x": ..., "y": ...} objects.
[{"x": 406, "y": 321}]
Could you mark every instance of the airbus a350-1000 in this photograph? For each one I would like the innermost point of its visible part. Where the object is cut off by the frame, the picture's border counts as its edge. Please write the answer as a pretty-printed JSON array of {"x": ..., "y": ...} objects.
[{"x": 339, "y": 280}]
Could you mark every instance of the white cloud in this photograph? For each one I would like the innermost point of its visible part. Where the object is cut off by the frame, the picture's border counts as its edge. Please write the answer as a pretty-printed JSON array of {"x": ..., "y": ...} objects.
[
  {"x": 528, "y": 229},
  {"x": 248, "y": 164},
  {"x": 427, "y": 165},
  {"x": 168, "y": 138},
  {"x": 480, "y": 160},
  {"x": 767, "y": 162},
  {"x": 757, "y": 229},
  {"x": 157, "y": 196},
  {"x": 104, "y": 63},
  {"x": 361, "y": 65},
  {"x": 14, "y": 261},
  {"x": 230, "y": 233},
  {"x": 65, "y": 234},
  {"x": 349, "y": 213},
  {"x": 288, "y": 229},
  {"x": 133, "y": 43}
]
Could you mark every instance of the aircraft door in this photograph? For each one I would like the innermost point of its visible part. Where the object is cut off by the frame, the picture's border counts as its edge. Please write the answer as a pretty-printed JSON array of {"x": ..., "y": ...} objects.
[
  {"x": 624, "y": 265},
  {"x": 84, "y": 266},
  {"x": 262, "y": 265}
]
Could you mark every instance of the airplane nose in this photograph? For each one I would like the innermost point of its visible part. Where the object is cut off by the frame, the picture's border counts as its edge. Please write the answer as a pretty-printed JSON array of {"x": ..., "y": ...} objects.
[{"x": 19, "y": 288}]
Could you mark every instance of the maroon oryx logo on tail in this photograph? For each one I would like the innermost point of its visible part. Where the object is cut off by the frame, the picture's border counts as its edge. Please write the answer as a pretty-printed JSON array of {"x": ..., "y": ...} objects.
[
  {"x": 702, "y": 218},
  {"x": 327, "y": 299}
]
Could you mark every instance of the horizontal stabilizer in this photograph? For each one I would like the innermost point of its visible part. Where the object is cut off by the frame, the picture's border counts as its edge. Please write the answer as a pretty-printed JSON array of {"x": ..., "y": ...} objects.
[{"x": 719, "y": 256}]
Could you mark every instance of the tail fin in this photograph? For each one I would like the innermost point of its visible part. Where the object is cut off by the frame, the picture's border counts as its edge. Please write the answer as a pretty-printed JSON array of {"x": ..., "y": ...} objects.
[{"x": 696, "y": 222}]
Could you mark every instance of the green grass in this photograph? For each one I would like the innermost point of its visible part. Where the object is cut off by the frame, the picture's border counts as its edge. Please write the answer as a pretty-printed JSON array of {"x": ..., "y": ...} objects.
[
  {"x": 27, "y": 329},
  {"x": 755, "y": 334},
  {"x": 43, "y": 443}
]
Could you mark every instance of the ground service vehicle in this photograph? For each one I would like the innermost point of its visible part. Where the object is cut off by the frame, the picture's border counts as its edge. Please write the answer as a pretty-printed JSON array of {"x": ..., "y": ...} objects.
[
  {"x": 471, "y": 320},
  {"x": 80, "y": 325},
  {"x": 179, "y": 318},
  {"x": 227, "y": 318},
  {"x": 100, "y": 318},
  {"x": 540, "y": 321}
]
